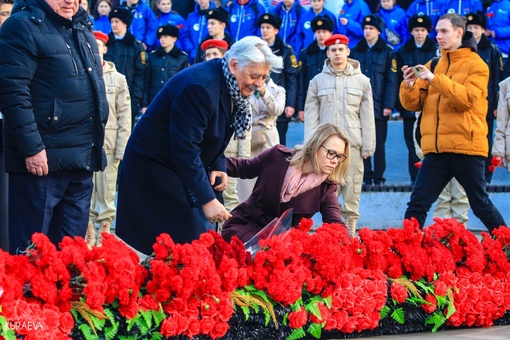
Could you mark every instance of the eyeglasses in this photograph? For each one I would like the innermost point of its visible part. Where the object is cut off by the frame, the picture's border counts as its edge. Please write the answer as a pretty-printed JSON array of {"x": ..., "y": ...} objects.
[{"x": 330, "y": 154}]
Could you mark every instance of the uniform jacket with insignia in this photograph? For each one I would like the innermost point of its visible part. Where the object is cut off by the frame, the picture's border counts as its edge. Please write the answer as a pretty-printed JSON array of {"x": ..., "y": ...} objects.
[
  {"x": 129, "y": 58},
  {"x": 491, "y": 54},
  {"x": 378, "y": 63},
  {"x": 162, "y": 66},
  {"x": 288, "y": 77},
  {"x": 312, "y": 61}
]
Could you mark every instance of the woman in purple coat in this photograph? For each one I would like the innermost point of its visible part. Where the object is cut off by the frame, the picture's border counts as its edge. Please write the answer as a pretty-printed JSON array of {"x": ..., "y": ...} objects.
[{"x": 304, "y": 178}]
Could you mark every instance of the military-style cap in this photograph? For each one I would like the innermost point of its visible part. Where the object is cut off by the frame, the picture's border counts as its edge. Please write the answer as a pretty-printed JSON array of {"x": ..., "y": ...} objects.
[
  {"x": 373, "y": 20},
  {"x": 337, "y": 39},
  {"x": 476, "y": 19},
  {"x": 420, "y": 21},
  {"x": 123, "y": 14},
  {"x": 219, "y": 14},
  {"x": 322, "y": 23},
  {"x": 168, "y": 29},
  {"x": 101, "y": 36},
  {"x": 271, "y": 19},
  {"x": 214, "y": 43}
]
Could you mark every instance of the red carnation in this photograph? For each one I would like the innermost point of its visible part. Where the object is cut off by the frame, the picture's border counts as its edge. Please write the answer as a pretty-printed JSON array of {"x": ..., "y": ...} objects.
[
  {"x": 398, "y": 292},
  {"x": 305, "y": 224},
  {"x": 169, "y": 327},
  {"x": 298, "y": 319},
  {"x": 219, "y": 330},
  {"x": 418, "y": 164},
  {"x": 440, "y": 288},
  {"x": 206, "y": 325},
  {"x": 495, "y": 161},
  {"x": 66, "y": 323},
  {"x": 431, "y": 306}
]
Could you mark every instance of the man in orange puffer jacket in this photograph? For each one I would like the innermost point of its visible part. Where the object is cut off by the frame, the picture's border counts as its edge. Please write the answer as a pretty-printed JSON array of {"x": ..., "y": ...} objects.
[{"x": 453, "y": 102}]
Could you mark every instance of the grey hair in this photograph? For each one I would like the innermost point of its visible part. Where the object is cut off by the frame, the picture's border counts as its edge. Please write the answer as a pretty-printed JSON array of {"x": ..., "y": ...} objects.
[{"x": 254, "y": 50}]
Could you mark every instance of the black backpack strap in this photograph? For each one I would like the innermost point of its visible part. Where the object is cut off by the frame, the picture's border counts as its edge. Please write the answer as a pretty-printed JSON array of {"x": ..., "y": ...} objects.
[{"x": 433, "y": 64}]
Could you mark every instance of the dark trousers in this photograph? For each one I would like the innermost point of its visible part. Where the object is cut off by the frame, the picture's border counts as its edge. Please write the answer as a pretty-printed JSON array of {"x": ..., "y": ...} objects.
[
  {"x": 490, "y": 137},
  {"x": 282, "y": 127},
  {"x": 4, "y": 189},
  {"x": 377, "y": 174},
  {"x": 437, "y": 170},
  {"x": 412, "y": 158},
  {"x": 57, "y": 205},
  {"x": 135, "y": 109}
]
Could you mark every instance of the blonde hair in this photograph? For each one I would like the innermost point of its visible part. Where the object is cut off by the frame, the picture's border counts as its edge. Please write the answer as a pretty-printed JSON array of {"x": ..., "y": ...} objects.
[{"x": 308, "y": 152}]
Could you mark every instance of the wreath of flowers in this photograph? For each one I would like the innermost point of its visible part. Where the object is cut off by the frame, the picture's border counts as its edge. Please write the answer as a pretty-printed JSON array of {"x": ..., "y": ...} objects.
[{"x": 300, "y": 282}]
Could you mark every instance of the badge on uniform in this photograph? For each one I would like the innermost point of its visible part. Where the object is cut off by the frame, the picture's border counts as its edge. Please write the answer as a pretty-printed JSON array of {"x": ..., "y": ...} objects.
[{"x": 293, "y": 61}]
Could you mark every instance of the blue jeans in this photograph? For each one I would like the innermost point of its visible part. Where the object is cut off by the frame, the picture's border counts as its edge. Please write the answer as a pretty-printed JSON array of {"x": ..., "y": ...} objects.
[
  {"x": 437, "y": 170},
  {"x": 57, "y": 205}
]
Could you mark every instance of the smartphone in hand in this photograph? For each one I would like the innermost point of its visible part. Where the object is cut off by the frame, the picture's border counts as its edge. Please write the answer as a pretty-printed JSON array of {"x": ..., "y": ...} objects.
[{"x": 416, "y": 71}]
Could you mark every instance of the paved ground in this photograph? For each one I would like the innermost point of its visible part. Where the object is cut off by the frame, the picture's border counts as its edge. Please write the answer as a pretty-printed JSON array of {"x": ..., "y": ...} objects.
[{"x": 492, "y": 333}]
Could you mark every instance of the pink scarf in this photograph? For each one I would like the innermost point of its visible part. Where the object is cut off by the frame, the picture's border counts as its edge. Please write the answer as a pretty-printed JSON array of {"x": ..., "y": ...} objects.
[{"x": 296, "y": 183}]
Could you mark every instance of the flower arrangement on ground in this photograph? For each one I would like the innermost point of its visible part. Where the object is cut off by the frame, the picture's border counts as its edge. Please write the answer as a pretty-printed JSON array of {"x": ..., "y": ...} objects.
[{"x": 320, "y": 284}]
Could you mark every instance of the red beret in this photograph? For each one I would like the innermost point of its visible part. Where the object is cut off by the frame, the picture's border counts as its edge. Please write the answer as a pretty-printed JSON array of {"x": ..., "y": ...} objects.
[
  {"x": 101, "y": 36},
  {"x": 337, "y": 39},
  {"x": 214, "y": 43}
]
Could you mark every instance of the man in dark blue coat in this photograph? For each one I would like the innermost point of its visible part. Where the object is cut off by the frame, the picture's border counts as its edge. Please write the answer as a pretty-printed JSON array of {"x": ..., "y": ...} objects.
[
  {"x": 377, "y": 60},
  {"x": 174, "y": 158},
  {"x": 53, "y": 99}
]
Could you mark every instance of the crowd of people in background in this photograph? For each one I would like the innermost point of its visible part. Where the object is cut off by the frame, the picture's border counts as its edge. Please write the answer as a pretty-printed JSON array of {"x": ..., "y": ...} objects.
[
  {"x": 380, "y": 36},
  {"x": 342, "y": 68}
]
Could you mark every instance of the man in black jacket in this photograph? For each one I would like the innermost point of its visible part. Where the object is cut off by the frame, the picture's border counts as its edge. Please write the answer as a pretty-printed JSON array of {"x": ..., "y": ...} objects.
[
  {"x": 53, "y": 99},
  {"x": 311, "y": 59},
  {"x": 128, "y": 55},
  {"x": 378, "y": 63},
  {"x": 490, "y": 53},
  {"x": 269, "y": 27},
  {"x": 416, "y": 51},
  {"x": 5, "y": 12}
]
